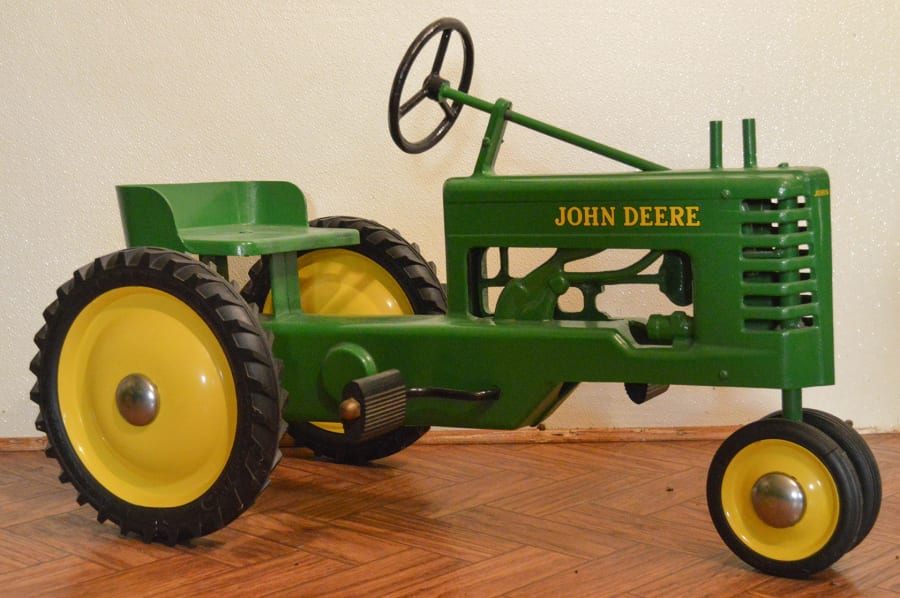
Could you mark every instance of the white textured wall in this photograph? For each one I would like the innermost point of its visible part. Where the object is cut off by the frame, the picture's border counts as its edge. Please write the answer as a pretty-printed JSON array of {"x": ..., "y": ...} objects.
[{"x": 99, "y": 93}]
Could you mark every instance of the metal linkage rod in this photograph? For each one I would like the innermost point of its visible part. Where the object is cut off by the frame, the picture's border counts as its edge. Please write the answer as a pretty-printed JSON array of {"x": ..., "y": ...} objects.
[{"x": 551, "y": 131}]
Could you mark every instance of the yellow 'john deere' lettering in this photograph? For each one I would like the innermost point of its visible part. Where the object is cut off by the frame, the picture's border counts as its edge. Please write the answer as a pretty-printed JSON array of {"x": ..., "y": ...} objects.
[
  {"x": 642, "y": 216},
  {"x": 586, "y": 216}
]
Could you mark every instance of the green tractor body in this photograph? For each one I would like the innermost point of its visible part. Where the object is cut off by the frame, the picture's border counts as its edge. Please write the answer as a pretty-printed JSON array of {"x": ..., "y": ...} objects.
[
  {"x": 746, "y": 250},
  {"x": 372, "y": 349}
]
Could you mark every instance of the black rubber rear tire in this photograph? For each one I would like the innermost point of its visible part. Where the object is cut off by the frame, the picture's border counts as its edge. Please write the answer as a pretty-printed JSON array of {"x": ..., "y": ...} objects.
[{"x": 246, "y": 447}]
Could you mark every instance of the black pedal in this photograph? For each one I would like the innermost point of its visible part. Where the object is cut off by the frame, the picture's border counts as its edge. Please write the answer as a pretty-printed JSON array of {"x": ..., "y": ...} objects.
[
  {"x": 641, "y": 393},
  {"x": 374, "y": 405}
]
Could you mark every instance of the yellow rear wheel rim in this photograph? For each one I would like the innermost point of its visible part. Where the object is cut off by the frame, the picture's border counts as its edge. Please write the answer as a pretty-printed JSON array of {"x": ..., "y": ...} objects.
[
  {"x": 339, "y": 282},
  {"x": 820, "y": 518},
  {"x": 181, "y": 453}
]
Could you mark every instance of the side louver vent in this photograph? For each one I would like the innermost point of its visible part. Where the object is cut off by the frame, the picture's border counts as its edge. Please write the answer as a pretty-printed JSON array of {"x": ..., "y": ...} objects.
[{"x": 777, "y": 263}]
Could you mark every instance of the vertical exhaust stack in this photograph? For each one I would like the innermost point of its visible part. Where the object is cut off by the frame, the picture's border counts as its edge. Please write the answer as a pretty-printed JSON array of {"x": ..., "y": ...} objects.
[
  {"x": 715, "y": 144},
  {"x": 749, "y": 129}
]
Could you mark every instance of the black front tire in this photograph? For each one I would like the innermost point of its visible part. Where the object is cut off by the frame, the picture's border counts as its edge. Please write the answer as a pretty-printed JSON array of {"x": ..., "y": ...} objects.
[
  {"x": 861, "y": 457},
  {"x": 805, "y": 527}
]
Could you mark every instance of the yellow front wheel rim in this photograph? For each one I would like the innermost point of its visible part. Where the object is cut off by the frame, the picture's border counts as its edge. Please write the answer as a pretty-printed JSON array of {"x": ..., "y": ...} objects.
[
  {"x": 814, "y": 529},
  {"x": 176, "y": 457}
]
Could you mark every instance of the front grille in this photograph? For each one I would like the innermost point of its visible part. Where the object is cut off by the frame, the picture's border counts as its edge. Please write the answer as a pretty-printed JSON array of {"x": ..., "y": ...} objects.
[{"x": 778, "y": 265}]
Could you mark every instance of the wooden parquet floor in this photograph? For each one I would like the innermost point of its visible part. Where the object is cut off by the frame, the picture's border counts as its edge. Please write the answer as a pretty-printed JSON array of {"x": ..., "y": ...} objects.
[{"x": 607, "y": 519}]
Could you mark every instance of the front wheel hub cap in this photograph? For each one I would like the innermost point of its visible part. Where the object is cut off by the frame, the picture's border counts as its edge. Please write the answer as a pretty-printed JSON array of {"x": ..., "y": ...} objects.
[
  {"x": 778, "y": 500},
  {"x": 137, "y": 399}
]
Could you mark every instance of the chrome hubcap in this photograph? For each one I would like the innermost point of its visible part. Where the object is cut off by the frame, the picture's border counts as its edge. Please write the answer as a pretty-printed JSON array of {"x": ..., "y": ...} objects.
[
  {"x": 778, "y": 500},
  {"x": 137, "y": 399}
]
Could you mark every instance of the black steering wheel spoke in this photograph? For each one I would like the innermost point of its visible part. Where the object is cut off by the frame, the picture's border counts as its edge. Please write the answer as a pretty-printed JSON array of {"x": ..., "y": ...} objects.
[
  {"x": 413, "y": 102},
  {"x": 432, "y": 85},
  {"x": 441, "y": 52},
  {"x": 449, "y": 110}
]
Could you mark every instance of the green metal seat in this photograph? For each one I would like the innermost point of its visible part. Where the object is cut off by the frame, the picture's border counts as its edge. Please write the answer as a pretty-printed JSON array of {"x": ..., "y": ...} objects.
[{"x": 224, "y": 218}]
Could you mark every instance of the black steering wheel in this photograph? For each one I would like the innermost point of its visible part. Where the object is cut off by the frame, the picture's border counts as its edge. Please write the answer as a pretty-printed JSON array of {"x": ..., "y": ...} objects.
[{"x": 431, "y": 86}]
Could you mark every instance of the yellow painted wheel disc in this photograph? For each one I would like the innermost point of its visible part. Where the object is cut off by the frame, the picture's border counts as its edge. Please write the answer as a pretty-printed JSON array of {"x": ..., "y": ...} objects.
[
  {"x": 339, "y": 282},
  {"x": 175, "y": 458},
  {"x": 822, "y": 504}
]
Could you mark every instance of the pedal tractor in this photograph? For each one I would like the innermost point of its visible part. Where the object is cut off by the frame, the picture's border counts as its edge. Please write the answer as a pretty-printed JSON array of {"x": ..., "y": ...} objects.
[{"x": 164, "y": 393}]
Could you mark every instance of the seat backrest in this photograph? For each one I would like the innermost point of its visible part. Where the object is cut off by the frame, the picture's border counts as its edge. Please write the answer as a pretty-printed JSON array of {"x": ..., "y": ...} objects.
[{"x": 154, "y": 214}]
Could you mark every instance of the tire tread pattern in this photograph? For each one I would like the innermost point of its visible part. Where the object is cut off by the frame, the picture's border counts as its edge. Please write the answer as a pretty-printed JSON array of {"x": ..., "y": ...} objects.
[{"x": 248, "y": 349}]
